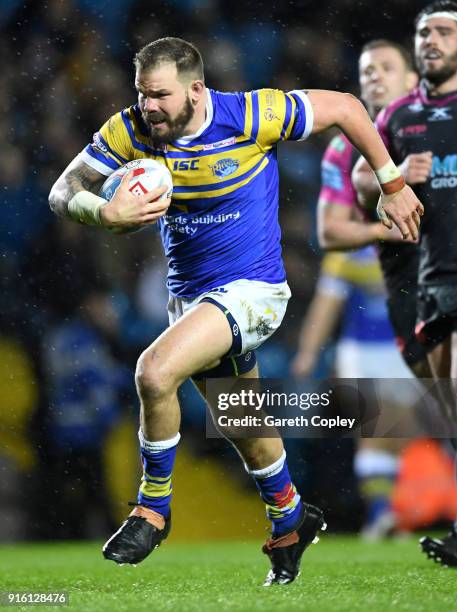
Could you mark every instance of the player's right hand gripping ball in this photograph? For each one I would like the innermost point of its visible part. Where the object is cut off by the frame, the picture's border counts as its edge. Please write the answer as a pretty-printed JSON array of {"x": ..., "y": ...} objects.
[{"x": 148, "y": 174}]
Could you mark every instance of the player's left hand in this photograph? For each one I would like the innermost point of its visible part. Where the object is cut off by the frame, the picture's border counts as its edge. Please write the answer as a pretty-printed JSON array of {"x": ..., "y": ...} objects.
[
  {"x": 402, "y": 208},
  {"x": 384, "y": 234}
]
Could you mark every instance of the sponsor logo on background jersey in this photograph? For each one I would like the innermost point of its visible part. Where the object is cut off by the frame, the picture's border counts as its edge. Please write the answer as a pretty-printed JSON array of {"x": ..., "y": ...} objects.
[
  {"x": 338, "y": 144},
  {"x": 412, "y": 130},
  {"x": 444, "y": 172},
  {"x": 225, "y": 167},
  {"x": 416, "y": 107},
  {"x": 332, "y": 176},
  {"x": 439, "y": 114}
]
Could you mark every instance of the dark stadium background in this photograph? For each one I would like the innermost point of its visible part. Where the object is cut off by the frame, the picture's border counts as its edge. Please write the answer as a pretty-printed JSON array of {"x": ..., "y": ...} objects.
[{"x": 78, "y": 305}]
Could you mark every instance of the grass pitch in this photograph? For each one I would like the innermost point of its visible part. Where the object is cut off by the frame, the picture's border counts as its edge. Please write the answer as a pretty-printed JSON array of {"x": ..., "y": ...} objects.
[{"x": 340, "y": 573}]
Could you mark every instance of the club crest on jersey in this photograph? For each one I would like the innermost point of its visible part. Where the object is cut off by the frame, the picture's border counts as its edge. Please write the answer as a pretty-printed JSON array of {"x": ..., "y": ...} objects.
[
  {"x": 225, "y": 167},
  {"x": 440, "y": 114}
]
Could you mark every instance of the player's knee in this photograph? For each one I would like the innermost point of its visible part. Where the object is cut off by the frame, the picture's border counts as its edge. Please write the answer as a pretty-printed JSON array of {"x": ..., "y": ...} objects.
[{"x": 153, "y": 379}]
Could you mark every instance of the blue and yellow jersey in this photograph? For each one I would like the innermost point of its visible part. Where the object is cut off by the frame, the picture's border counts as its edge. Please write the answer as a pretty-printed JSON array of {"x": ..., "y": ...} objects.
[
  {"x": 223, "y": 222},
  {"x": 356, "y": 277}
]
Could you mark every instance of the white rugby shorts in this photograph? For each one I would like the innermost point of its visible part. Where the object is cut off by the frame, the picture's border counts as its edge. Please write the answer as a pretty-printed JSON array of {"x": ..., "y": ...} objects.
[{"x": 257, "y": 308}]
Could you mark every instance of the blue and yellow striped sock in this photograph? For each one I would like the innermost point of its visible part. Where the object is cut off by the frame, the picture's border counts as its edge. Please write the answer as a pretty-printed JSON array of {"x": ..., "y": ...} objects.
[
  {"x": 283, "y": 503},
  {"x": 158, "y": 459}
]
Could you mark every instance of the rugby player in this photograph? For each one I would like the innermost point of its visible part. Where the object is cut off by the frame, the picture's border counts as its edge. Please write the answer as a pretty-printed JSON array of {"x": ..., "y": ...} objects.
[
  {"x": 424, "y": 123},
  {"x": 226, "y": 278},
  {"x": 385, "y": 73}
]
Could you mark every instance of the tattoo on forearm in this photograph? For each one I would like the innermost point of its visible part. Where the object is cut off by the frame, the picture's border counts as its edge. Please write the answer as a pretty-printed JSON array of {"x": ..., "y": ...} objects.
[
  {"x": 79, "y": 178},
  {"x": 83, "y": 178}
]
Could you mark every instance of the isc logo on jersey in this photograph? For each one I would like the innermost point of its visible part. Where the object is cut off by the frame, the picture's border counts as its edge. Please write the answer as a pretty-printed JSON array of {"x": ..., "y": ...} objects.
[
  {"x": 444, "y": 172},
  {"x": 186, "y": 164}
]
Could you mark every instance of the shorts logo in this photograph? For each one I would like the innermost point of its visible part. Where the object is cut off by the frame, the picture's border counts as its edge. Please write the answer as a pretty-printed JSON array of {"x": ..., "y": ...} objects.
[
  {"x": 440, "y": 114},
  {"x": 235, "y": 330},
  {"x": 248, "y": 356},
  {"x": 225, "y": 167}
]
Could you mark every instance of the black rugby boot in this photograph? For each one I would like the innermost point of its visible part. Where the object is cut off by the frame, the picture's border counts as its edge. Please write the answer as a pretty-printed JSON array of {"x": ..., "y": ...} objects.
[
  {"x": 286, "y": 551},
  {"x": 443, "y": 550},
  {"x": 139, "y": 535}
]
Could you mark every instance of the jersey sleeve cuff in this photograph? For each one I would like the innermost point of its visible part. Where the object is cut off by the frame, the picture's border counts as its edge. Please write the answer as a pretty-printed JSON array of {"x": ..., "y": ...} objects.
[
  {"x": 94, "y": 163},
  {"x": 309, "y": 113}
]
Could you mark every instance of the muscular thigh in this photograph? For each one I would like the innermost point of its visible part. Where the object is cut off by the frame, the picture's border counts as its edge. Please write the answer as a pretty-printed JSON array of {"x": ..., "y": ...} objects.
[{"x": 194, "y": 342}]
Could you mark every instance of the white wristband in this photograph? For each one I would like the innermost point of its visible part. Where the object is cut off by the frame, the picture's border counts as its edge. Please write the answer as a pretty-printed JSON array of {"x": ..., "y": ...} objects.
[
  {"x": 85, "y": 207},
  {"x": 387, "y": 173},
  {"x": 390, "y": 178}
]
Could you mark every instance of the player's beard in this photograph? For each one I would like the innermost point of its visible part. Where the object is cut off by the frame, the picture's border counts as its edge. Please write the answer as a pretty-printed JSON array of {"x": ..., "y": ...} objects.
[
  {"x": 438, "y": 76},
  {"x": 176, "y": 126}
]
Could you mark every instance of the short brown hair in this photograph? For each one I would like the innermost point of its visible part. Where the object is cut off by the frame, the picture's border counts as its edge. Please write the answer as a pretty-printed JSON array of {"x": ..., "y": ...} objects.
[
  {"x": 435, "y": 7},
  {"x": 183, "y": 54},
  {"x": 384, "y": 42}
]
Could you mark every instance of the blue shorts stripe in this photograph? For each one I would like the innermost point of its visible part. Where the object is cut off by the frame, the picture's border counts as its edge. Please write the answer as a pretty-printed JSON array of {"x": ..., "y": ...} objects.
[
  {"x": 230, "y": 367},
  {"x": 236, "y": 334}
]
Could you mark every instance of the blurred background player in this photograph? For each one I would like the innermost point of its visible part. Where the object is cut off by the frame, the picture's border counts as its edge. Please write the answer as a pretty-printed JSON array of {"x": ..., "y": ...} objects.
[
  {"x": 350, "y": 291},
  {"x": 86, "y": 391},
  {"x": 214, "y": 269},
  {"x": 422, "y": 126},
  {"x": 349, "y": 305},
  {"x": 385, "y": 73}
]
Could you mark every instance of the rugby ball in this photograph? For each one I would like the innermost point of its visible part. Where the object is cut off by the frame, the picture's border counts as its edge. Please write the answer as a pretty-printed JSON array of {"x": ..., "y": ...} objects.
[{"x": 148, "y": 174}]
